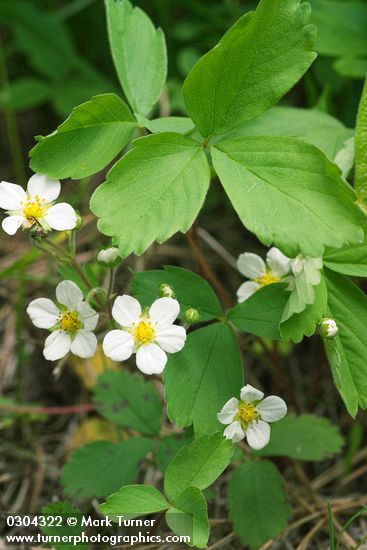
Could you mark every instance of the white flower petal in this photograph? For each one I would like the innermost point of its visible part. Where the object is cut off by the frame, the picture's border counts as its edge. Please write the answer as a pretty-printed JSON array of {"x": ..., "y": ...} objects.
[
  {"x": 279, "y": 264},
  {"x": 69, "y": 294},
  {"x": 61, "y": 217},
  {"x": 44, "y": 187},
  {"x": 229, "y": 411},
  {"x": 126, "y": 310},
  {"x": 88, "y": 316},
  {"x": 84, "y": 344},
  {"x": 251, "y": 265},
  {"x": 258, "y": 434},
  {"x": 164, "y": 311},
  {"x": 250, "y": 394},
  {"x": 11, "y": 195},
  {"x": 151, "y": 359},
  {"x": 118, "y": 345},
  {"x": 11, "y": 224},
  {"x": 234, "y": 431},
  {"x": 57, "y": 345},
  {"x": 272, "y": 408},
  {"x": 171, "y": 338},
  {"x": 246, "y": 290},
  {"x": 43, "y": 313}
]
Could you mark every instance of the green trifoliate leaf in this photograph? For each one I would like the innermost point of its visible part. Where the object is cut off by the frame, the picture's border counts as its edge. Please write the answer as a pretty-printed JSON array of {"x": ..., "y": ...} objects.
[
  {"x": 341, "y": 27},
  {"x": 189, "y": 517},
  {"x": 303, "y": 437},
  {"x": 128, "y": 401},
  {"x": 87, "y": 141},
  {"x": 66, "y": 510},
  {"x": 256, "y": 62},
  {"x": 134, "y": 500},
  {"x": 258, "y": 505},
  {"x": 101, "y": 468},
  {"x": 139, "y": 53},
  {"x": 261, "y": 313},
  {"x": 350, "y": 260},
  {"x": 198, "y": 465},
  {"x": 156, "y": 189},
  {"x": 310, "y": 125},
  {"x": 189, "y": 289},
  {"x": 202, "y": 377},
  {"x": 288, "y": 193},
  {"x": 305, "y": 323},
  {"x": 347, "y": 352},
  {"x": 179, "y": 124}
]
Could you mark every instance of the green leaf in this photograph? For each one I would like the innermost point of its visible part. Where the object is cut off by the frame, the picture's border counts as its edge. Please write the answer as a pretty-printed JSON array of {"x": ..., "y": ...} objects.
[
  {"x": 155, "y": 190},
  {"x": 190, "y": 290},
  {"x": 305, "y": 323},
  {"x": 256, "y": 62},
  {"x": 198, "y": 465},
  {"x": 258, "y": 506},
  {"x": 261, "y": 313},
  {"x": 350, "y": 260},
  {"x": 179, "y": 124},
  {"x": 351, "y": 67},
  {"x": 341, "y": 27},
  {"x": 101, "y": 468},
  {"x": 139, "y": 53},
  {"x": 87, "y": 141},
  {"x": 202, "y": 377},
  {"x": 288, "y": 193},
  {"x": 347, "y": 352},
  {"x": 168, "y": 448},
  {"x": 360, "y": 180},
  {"x": 40, "y": 36},
  {"x": 189, "y": 517},
  {"x": 316, "y": 127},
  {"x": 134, "y": 500},
  {"x": 305, "y": 437},
  {"x": 65, "y": 510},
  {"x": 128, "y": 401},
  {"x": 24, "y": 93}
]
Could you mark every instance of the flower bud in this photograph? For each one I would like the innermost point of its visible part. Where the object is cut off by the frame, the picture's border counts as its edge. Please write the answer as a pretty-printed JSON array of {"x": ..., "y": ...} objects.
[
  {"x": 328, "y": 328},
  {"x": 166, "y": 291},
  {"x": 79, "y": 221},
  {"x": 192, "y": 315},
  {"x": 109, "y": 257}
]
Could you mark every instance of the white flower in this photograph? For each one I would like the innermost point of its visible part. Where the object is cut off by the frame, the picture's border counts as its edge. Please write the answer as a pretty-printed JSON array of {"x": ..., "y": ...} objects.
[
  {"x": 249, "y": 417},
  {"x": 109, "y": 257},
  {"x": 148, "y": 333},
  {"x": 71, "y": 322},
  {"x": 261, "y": 273},
  {"x": 35, "y": 206},
  {"x": 328, "y": 328}
]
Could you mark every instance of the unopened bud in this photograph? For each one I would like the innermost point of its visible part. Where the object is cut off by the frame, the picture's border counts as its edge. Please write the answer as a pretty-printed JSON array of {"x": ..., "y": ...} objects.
[
  {"x": 79, "y": 221},
  {"x": 192, "y": 315},
  {"x": 166, "y": 291},
  {"x": 109, "y": 257},
  {"x": 328, "y": 328}
]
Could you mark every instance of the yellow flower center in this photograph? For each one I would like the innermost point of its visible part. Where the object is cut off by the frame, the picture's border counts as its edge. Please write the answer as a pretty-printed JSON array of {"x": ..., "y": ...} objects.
[
  {"x": 33, "y": 209},
  {"x": 143, "y": 332},
  {"x": 247, "y": 413},
  {"x": 267, "y": 279},
  {"x": 70, "y": 322}
]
